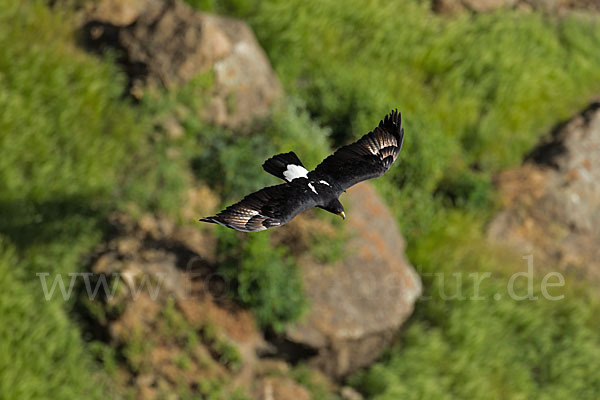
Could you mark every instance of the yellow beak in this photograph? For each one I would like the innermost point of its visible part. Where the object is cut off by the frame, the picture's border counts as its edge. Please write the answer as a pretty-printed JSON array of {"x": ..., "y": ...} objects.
[{"x": 342, "y": 214}]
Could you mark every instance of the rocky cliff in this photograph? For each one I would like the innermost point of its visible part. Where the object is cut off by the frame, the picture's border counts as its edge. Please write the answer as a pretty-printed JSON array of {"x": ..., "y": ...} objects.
[{"x": 552, "y": 203}]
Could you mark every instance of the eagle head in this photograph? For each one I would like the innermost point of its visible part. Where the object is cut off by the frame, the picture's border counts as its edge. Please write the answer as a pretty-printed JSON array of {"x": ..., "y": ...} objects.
[{"x": 335, "y": 207}]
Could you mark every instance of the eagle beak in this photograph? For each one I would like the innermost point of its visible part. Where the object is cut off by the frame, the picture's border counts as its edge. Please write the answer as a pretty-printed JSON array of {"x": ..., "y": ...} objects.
[{"x": 342, "y": 214}]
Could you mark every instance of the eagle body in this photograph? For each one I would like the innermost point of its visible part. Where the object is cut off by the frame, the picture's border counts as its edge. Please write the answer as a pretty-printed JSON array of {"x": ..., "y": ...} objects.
[{"x": 369, "y": 157}]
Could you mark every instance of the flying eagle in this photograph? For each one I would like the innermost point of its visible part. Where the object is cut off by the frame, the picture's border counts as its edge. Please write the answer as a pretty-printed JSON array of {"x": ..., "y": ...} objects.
[{"x": 371, "y": 156}]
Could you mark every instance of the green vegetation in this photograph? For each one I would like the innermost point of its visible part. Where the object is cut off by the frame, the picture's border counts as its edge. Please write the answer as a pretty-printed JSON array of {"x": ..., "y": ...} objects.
[
  {"x": 173, "y": 325},
  {"x": 318, "y": 390},
  {"x": 214, "y": 389},
  {"x": 488, "y": 348},
  {"x": 64, "y": 135},
  {"x": 262, "y": 276},
  {"x": 237, "y": 8},
  {"x": 41, "y": 352},
  {"x": 227, "y": 161},
  {"x": 225, "y": 352},
  {"x": 476, "y": 92}
]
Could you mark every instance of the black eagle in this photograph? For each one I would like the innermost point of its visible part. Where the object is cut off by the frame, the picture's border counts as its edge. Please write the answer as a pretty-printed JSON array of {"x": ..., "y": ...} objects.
[{"x": 369, "y": 157}]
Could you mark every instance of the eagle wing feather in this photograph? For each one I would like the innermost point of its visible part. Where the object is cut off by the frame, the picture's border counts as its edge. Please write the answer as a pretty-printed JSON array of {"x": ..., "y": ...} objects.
[
  {"x": 267, "y": 208},
  {"x": 369, "y": 157}
]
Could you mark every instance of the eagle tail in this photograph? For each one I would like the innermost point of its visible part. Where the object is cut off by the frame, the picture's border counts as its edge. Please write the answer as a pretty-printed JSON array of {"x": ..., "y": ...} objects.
[{"x": 277, "y": 164}]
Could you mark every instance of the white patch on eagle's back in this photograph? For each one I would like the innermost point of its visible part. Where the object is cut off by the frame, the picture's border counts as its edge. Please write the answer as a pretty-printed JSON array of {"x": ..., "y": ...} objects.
[
  {"x": 324, "y": 183},
  {"x": 294, "y": 171},
  {"x": 312, "y": 188}
]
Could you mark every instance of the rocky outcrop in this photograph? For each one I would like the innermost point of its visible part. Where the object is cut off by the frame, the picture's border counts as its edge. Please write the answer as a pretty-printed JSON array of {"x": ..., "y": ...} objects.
[
  {"x": 167, "y": 43},
  {"x": 358, "y": 304},
  {"x": 165, "y": 310},
  {"x": 169, "y": 319},
  {"x": 552, "y": 202}
]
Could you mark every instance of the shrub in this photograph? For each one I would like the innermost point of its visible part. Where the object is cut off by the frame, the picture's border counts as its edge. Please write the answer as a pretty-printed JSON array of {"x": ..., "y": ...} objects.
[{"x": 264, "y": 278}]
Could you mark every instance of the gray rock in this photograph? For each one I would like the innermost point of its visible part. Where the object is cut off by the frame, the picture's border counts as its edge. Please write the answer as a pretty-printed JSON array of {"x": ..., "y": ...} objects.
[
  {"x": 167, "y": 43},
  {"x": 552, "y": 202},
  {"x": 358, "y": 304}
]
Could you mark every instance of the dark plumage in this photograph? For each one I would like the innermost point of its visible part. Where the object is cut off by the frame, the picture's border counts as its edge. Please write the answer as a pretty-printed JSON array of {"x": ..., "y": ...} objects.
[{"x": 369, "y": 157}]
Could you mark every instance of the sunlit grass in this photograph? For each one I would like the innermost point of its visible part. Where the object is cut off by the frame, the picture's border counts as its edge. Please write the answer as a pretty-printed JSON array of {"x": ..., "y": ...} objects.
[{"x": 42, "y": 354}]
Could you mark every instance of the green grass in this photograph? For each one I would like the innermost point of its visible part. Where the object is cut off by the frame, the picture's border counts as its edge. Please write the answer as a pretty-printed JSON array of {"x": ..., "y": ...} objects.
[
  {"x": 236, "y": 8},
  {"x": 63, "y": 131},
  {"x": 66, "y": 143},
  {"x": 317, "y": 389},
  {"x": 42, "y": 355}
]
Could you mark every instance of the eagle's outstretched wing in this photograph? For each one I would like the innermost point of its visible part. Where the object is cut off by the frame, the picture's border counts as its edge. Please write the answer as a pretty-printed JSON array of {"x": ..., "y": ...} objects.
[
  {"x": 269, "y": 207},
  {"x": 369, "y": 157}
]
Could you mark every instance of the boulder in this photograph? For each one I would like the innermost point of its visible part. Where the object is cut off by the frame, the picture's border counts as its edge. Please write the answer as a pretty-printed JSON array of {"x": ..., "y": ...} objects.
[
  {"x": 552, "y": 203},
  {"x": 167, "y": 43},
  {"x": 358, "y": 304}
]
